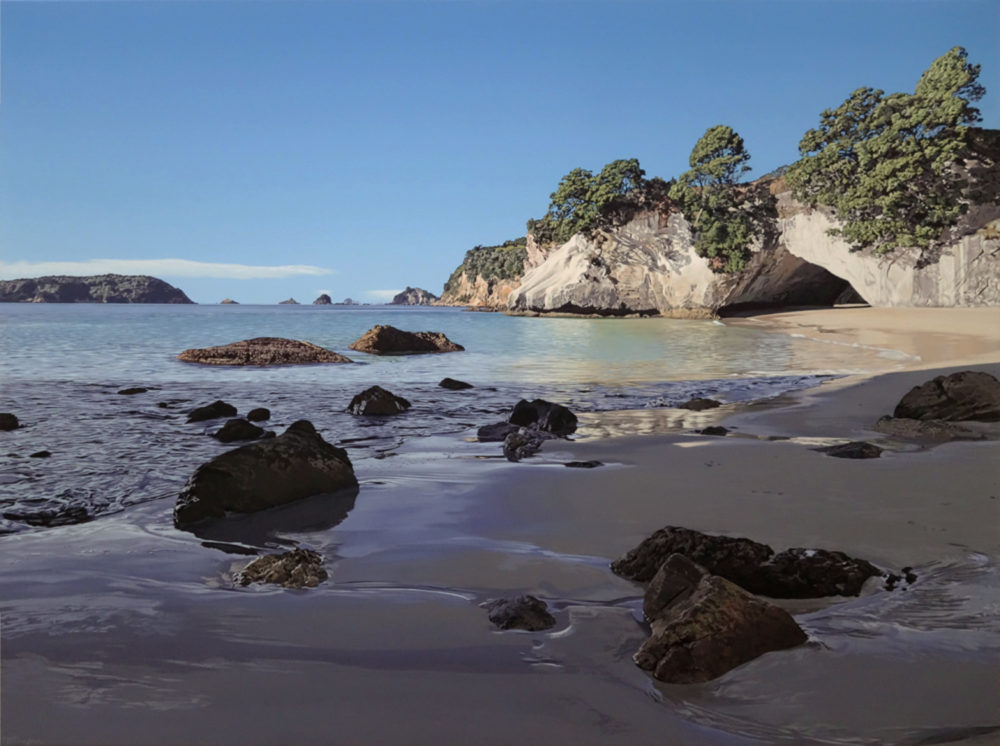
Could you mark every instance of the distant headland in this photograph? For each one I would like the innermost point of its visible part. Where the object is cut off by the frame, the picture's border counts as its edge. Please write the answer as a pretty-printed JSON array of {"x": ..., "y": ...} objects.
[{"x": 92, "y": 289}]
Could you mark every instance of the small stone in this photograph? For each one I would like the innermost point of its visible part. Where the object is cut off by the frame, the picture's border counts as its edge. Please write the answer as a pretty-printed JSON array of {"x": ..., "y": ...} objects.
[
  {"x": 299, "y": 568},
  {"x": 522, "y": 612},
  {"x": 454, "y": 385},
  {"x": 854, "y": 449},
  {"x": 212, "y": 411}
]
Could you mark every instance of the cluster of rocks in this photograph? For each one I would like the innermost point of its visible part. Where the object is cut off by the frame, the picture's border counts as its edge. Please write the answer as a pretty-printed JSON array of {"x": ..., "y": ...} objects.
[{"x": 529, "y": 425}]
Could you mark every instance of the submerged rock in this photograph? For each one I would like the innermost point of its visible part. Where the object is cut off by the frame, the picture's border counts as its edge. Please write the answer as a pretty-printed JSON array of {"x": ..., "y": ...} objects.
[
  {"x": 794, "y": 573},
  {"x": 544, "y": 415},
  {"x": 966, "y": 395},
  {"x": 699, "y": 404},
  {"x": 854, "y": 449},
  {"x": 454, "y": 385},
  {"x": 259, "y": 414},
  {"x": 299, "y": 568},
  {"x": 376, "y": 401},
  {"x": 238, "y": 429},
  {"x": 521, "y": 612},
  {"x": 703, "y": 625},
  {"x": 388, "y": 340},
  {"x": 8, "y": 421},
  {"x": 212, "y": 411},
  {"x": 134, "y": 390},
  {"x": 263, "y": 351},
  {"x": 296, "y": 464}
]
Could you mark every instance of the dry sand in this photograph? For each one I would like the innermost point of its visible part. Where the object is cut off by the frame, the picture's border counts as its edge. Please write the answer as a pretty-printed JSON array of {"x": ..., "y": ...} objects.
[{"x": 128, "y": 634}]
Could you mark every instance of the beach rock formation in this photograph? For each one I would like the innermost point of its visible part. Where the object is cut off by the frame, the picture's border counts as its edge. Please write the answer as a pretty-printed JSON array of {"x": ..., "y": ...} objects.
[
  {"x": 454, "y": 385},
  {"x": 212, "y": 411},
  {"x": 521, "y": 612},
  {"x": 228, "y": 302},
  {"x": 794, "y": 573},
  {"x": 377, "y": 402},
  {"x": 703, "y": 625},
  {"x": 323, "y": 300},
  {"x": 299, "y": 568},
  {"x": 263, "y": 351},
  {"x": 544, "y": 415},
  {"x": 289, "y": 302},
  {"x": 238, "y": 429},
  {"x": 259, "y": 414},
  {"x": 388, "y": 340},
  {"x": 413, "y": 297},
  {"x": 699, "y": 404},
  {"x": 9, "y": 421},
  {"x": 294, "y": 465},
  {"x": 854, "y": 449},
  {"x": 966, "y": 395},
  {"x": 109, "y": 288}
]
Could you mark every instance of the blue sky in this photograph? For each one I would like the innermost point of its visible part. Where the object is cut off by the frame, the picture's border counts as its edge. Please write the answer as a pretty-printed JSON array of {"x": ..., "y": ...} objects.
[{"x": 261, "y": 150}]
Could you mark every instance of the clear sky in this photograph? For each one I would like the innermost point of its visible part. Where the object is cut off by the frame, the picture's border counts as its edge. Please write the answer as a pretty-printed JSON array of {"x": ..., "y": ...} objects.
[{"x": 261, "y": 150}]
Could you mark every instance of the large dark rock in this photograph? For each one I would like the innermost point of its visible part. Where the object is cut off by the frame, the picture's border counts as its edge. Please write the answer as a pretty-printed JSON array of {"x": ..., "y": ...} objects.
[
  {"x": 703, "y": 625},
  {"x": 454, "y": 385},
  {"x": 299, "y": 568},
  {"x": 376, "y": 401},
  {"x": 794, "y": 573},
  {"x": 8, "y": 421},
  {"x": 91, "y": 289},
  {"x": 544, "y": 415},
  {"x": 854, "y": 449},
  {"x": 263, "y": 351},
  {"x": 238, "y": 429},
  {"x": 521, "y": 612},
  {"x": 212, "y": 411},
  {"x": 388, "y": 340},
  {"x": 698, "y": 404},
  {"x": 966, "y": 395},
  {"x": 261, "y": 475}
]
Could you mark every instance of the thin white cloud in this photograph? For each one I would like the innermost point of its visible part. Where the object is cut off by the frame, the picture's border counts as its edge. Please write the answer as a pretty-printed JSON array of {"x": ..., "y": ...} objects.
[
  {"x": 382, "y": 294},
  {"x": 157, "y": 268}
]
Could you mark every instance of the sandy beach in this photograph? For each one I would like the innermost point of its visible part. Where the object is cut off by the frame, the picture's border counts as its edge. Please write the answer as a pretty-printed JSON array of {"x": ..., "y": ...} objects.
[{"x": 136, "y": 635}]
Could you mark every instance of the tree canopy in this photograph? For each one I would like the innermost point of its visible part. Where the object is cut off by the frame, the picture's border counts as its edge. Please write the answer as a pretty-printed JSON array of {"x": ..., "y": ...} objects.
[{"x": 887, "y": 164}]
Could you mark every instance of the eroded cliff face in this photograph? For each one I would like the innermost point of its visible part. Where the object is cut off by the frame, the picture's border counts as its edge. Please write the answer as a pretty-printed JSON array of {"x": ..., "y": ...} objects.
[
  {"x": 648, "y": 266},
  {"x": 478, "y": 292}
]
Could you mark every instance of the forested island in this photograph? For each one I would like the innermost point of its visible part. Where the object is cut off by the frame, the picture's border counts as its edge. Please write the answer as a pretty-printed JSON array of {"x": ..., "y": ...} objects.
[{"x": 109, "y": 288}]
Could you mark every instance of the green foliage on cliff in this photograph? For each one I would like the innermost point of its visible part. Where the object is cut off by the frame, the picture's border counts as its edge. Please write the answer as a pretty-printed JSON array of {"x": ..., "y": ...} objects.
[
  {"x": 724, "y": 215},
  {"x": 888, "y": 164},
  {"x": 502, "y": 262},
  {"x": 584, "y": 201}
]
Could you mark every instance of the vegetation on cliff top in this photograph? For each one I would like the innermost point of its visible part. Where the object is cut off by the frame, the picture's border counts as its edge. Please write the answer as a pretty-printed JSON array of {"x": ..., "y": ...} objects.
[{"x": 502, "y": 262}]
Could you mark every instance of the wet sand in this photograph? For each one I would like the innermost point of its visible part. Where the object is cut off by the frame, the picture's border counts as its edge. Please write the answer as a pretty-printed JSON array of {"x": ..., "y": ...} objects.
[{"x": 129, "y": 631}]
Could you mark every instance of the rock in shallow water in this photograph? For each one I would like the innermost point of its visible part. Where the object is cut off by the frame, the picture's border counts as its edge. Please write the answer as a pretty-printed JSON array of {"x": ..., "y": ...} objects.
[
  {"x": 454, "y": 385},
  {"x": 376, "y": 401},
  {"x": 261, "y": 475},
  {"x": 522, "y": 612},
  {"x": 212, "y": 411},
  {"x": 262, "y": 351},
  {"x": 544, "y": 415},
  {"x": 699, "y": 404},
  {"x": 703, "y": 625},
  {"x": 259, "y": 414},
  {"x": 299, "y": 568},
  {"x": 388, "y": 340},
  {"x": 8, "y": 421},
  {"x": 238, "y": 429}
]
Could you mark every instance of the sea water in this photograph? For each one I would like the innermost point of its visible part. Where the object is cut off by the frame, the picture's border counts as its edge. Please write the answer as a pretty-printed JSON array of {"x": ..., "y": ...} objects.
[{"x": 63, "y": 365}]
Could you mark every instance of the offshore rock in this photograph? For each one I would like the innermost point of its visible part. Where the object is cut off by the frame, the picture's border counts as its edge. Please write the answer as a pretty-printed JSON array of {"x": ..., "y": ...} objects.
[
  {"x": 109, "y": 288},
  {"x": 966, "y": 395},
  {"x": 289, "y": 302},
  {"x": 376, "y": 401},
  {"x": 522, "y": 612},
  {"x": 238, "y": 429},
  {"x": 8, "y": 421},
  {"x": 228, "y": 302},
  {"x": 454, "y": 385},
  {"x": 299, "y": 568},
  {"x": 323, "y": 300},
  {"x": 544, "y": 415},
  {"x": 388, "y": 340},
  {"x": 703, "y": 626},
  {"x": 263, "y": 351},
  {"x": 212, "y": 411},
  {"x": 261, "y": 475},
  {"x": 854, "y": 449},
  {"x": 413, "y": 297}
]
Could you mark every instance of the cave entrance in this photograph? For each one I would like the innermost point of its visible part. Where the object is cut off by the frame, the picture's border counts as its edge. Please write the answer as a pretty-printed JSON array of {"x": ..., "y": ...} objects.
[{"x": 809, "y": 286}]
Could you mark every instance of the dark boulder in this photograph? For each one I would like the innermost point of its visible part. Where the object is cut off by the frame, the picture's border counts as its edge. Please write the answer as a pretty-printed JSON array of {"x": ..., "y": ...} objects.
[
  {"x": 134, "y": 390},
  {"x": 854, "y": 449},
  {"x": 40, "y": 454},
  {"x": 8, "y": 421},
  {"x": 261, "y": 475},
  {"x": 376, "y": 401},
  {"x": 238, "y": 429},
  {"x": 263, "y": 351},
  {"x": 703, "y": 625},
  {"x": 451, "y": 383},
  {"x": 496, "y": 432},
  {"x": 388, "y": 340},
  {"x": 259, "y": 414},
  {"x": 299, "y": 568},
  {"x": 522, "y": 612},
  {"x": 698, "y": 404},
  {"x": 212, "y": 411},
  {"x": 543, "y": 415},
  {"x": 966, "y": 395}
]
